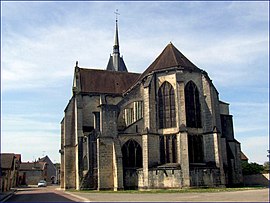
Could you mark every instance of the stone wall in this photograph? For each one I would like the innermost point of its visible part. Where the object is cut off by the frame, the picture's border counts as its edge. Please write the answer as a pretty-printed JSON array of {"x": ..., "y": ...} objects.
[
  {"x": 162, "y": 178},
  {"x": 256, "y": 180},
  {"x": 204, "y": 177},
  {"x": 33, "y": 177}
]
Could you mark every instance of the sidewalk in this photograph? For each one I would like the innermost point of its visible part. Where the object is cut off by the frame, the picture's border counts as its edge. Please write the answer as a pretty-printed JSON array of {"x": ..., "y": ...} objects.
[{"x": 4, "y": 196}]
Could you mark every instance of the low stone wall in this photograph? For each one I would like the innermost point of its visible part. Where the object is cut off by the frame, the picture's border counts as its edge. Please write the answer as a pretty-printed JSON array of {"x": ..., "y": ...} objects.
[
  {"x": 162, "y": 178},
  {"x": 204, "y": 177},
  {"x": 256, "y": 180}
]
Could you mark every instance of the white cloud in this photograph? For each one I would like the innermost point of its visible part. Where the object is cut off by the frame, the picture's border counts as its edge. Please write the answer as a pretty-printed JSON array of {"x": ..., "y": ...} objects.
[{"x": 42, "y": 41}]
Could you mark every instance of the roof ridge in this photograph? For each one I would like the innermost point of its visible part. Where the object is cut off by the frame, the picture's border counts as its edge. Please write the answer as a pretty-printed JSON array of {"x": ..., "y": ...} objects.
[
  {"x": 173, "y": 50},
  {"x": 104, "y": 70}
]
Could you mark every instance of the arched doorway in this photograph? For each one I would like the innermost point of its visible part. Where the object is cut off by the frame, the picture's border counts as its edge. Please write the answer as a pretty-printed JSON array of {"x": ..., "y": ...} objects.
[{"x": 132, "y": 160}]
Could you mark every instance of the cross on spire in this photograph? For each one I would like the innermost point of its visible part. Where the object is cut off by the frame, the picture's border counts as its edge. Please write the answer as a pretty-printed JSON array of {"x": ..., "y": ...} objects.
[{"x": 116, "y": 14}]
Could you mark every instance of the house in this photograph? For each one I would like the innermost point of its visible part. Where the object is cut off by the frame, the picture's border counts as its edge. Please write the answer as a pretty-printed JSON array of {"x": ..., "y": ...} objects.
[
  {"x": 163, "y": 128},
  {"x": 51, "y": 169},
  {"x": 30, "y": 173},
  {"x": 244, "y": 158},
  {"x": 8, "y": 171}
]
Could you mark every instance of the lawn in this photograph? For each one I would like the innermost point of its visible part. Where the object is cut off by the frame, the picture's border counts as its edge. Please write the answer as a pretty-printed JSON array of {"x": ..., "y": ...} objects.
[{"x": 189, "y": 190}]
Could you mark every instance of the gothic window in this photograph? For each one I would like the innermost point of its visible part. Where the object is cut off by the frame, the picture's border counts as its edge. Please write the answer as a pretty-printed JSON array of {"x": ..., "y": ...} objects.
[
  {"x": 168, "y": 149},
  {"x": 195, "y": 148},
  {"x": 132, "y": 154},
  {"x": 193, "y": 107},
  {"x": 85, "y": 163},
  {"x": 162, "y": 150},
  {"x": 166, "y": 102}
]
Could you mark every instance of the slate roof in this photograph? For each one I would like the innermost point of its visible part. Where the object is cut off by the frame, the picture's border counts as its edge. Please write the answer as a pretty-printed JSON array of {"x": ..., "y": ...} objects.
[
  {"x": 169, "y": 57},
  {"x": 122, "y": 65},
  {"x": 7, "y": 160},
  {"x": 105, "y": 81}
]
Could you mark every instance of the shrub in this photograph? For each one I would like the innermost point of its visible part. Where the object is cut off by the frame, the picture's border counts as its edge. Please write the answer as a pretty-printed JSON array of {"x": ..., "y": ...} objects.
[{"x": 251, "y": 168}]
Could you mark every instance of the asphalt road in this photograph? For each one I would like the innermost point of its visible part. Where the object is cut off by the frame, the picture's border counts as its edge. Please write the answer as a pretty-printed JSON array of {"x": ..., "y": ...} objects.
[{"x": 44, "y": 194}]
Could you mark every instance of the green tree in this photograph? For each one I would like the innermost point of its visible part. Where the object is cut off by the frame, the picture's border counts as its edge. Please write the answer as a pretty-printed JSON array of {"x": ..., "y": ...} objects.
[
  {"x": 266, "y": 167},
  {"x": 251, "y": 168}
]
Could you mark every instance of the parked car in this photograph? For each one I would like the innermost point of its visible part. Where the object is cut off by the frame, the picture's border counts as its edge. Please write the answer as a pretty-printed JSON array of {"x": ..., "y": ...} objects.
[{"x": 42, "y": 183}]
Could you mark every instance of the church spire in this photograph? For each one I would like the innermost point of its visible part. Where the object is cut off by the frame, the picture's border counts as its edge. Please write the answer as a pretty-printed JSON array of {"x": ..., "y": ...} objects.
[
  {"x": 116, "y": 40},
  {"x": 116, "y": 63}
]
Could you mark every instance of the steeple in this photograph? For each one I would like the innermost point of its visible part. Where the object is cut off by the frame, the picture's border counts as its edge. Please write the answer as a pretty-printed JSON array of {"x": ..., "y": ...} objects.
[
  {"x": 116, "y": 40},
  {"x": 116, "y": 63}
]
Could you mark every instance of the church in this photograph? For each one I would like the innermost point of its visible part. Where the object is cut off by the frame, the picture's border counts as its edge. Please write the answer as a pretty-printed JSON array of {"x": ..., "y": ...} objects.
[{"x": 164, "y": 128}]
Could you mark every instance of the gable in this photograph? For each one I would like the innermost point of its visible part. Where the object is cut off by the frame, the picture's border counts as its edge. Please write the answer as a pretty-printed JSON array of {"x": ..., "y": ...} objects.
[{"x": 7, "y": 160}]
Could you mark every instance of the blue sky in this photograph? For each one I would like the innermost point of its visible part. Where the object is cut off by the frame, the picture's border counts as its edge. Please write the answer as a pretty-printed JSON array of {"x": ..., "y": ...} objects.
[{"x": 42, "y": 40}]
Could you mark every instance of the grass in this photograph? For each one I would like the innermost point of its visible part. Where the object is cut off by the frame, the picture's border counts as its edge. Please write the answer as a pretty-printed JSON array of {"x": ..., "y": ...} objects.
[{"x": 155, "y": 191}]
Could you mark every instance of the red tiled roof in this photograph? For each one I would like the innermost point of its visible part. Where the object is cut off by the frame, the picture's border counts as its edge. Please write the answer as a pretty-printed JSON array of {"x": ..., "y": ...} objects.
[
  {"x": 7, "y": 160},
  {"x": 243, "y": 157},
  {"x": 26, "y": 166},
  {"x": 18, "y": 157},
  {"x": 104, "y": 81},
  {"x": 169, "y": 57}
]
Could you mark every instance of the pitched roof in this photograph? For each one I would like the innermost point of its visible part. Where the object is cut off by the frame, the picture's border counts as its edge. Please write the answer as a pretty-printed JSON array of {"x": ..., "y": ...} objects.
[
  {"x": 169, "y": 57},
  {"x": 105, "y": 81},
  {"x": 18, "y": 157},
  {"x": 28, "y": 166},
  {"x": 43, "y": 159},
  {"x": 243, "y": 157},
  {"x": 7, "y": 160},
  {"x": 122, "y": 65}
]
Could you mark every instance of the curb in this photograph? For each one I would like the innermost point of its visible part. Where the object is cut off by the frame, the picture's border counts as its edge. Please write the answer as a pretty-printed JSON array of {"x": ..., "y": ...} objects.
[
  {"x": 8, "y": 196},
  {"x": 78, "y": 197}
]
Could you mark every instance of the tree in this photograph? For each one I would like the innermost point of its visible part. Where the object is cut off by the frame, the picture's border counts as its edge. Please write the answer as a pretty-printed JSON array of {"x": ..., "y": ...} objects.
[
  {"x": 266, "y": 167},
  {"x": 251, "y": 168}
]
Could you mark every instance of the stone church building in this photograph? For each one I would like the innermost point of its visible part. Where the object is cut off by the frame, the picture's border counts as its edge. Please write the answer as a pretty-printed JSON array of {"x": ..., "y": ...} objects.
[{"x": 164, "y": 128}]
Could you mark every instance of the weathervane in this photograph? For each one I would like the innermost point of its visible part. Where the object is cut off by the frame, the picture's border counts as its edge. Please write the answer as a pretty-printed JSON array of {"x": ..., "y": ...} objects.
[{"x": 116, "y": 13}]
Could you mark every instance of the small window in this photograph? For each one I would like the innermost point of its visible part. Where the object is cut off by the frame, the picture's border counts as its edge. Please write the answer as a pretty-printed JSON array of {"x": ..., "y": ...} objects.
[
  {"x": 138, "y": 110},
  {"x": 129, "y": 116}
]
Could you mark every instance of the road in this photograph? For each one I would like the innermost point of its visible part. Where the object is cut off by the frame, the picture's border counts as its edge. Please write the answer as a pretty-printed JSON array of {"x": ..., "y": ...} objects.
[{"x": 44, "y": 194}]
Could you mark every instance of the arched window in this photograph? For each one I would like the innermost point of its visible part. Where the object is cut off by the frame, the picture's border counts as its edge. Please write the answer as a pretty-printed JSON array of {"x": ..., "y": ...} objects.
[
  {"x": 167, "y": 149},
  {"x": 195, "y": 149},
  {"x": 193, "y": 107},
  {"x": 166, "y": 106},
  {"x": 132, "y": 154},
  {"x": 85, "y": 163}
]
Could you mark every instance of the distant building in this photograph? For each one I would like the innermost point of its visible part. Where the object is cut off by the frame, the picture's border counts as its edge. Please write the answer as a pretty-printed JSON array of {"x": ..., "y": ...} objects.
[
  {"x": 9, "y": 169},
  {"x": 51, "y": 169},
  {"x": 164, "y": 128},
  {"x": 30, "y": 173},
  {"x": 244, "y": 157}
]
